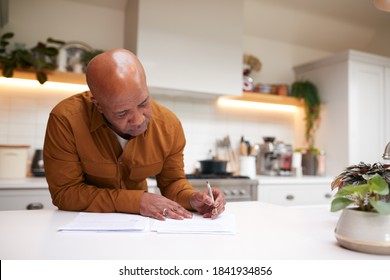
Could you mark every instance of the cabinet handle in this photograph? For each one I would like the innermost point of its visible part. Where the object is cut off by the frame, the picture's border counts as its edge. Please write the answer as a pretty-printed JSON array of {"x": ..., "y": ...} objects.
[
  {"x": 290, "y": 197},
  {"x": 328, "y": 195},
  {"x": 34, "y": 206}
]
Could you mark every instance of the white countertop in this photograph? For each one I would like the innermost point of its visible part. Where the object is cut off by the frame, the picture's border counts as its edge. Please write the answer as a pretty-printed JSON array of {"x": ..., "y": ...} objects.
[
  {"x": 264, "y": 232},
  {"x": 23, "y": 183}
]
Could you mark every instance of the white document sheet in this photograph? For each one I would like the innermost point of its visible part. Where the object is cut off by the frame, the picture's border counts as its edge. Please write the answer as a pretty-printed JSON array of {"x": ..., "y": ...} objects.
[
  {"x": 223, "y": 224},
  {"x": 106, "y": 222}
]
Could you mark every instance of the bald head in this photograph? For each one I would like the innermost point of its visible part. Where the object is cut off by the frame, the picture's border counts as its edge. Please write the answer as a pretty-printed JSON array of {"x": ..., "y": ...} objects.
[
  {"x": 115, "y": 72},
  {"x": 117, "y": 82}
]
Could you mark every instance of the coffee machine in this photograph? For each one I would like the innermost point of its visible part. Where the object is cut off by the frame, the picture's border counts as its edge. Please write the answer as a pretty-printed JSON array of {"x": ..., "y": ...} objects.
[
  {"x": 266, "y": 157},
  {"x": 274, "y": 158}
]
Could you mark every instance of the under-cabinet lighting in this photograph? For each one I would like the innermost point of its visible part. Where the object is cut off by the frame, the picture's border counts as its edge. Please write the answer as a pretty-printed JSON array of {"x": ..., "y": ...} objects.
[
  {"x": 47, "y": 85},
  {"x": 255, "y": 105}
]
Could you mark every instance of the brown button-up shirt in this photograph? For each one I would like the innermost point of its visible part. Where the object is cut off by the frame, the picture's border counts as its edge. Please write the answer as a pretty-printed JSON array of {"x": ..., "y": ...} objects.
[{"x": 87, "y": 170}]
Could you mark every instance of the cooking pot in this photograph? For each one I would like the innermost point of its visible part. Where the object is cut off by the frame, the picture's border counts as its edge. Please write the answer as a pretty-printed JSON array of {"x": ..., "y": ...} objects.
[{"x": 212, "y": 166}]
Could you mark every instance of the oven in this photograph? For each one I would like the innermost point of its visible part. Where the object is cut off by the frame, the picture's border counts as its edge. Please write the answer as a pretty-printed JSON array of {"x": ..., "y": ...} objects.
[{"x": 235, "y": 188}]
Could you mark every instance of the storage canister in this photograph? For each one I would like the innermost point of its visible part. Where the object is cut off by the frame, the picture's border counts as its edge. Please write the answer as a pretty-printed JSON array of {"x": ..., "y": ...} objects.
[{"x": 13, "y": 161}]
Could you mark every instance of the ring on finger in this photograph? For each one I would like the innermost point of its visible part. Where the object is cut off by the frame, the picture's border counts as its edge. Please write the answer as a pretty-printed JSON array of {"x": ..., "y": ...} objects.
[{"x": 164, "y": 212}]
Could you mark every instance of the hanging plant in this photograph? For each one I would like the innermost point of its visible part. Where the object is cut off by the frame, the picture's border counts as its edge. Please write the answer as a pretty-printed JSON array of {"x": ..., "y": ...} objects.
[
  {"x": 41, "y": 58},
  {"x": 309, "y": 93}
]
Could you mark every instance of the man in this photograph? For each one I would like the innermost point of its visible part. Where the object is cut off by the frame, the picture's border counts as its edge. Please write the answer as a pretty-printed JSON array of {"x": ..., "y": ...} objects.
[{"x": 101, "y": 145}]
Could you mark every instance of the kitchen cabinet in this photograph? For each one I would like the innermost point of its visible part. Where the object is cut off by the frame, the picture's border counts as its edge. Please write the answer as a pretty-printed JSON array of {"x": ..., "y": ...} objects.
[
  {"x": 25, "y": 194},
  {"x": 355, "y": 88},
  {"x": 188, "y": 48},
  {"x": 25, "y": 199},
  {"x": 295, "y": 191}
]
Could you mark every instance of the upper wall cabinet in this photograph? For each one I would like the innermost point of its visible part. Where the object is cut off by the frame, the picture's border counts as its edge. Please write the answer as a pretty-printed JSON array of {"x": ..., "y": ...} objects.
[
  {"x": 188, "y": 46},
  {"x": 355, "y": 89}
]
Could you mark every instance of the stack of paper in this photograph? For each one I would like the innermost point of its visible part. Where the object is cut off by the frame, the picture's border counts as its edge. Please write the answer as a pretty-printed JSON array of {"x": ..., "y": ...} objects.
[
  {"x": 223, "y": 224},
  {"x": 106, "y": 222}
]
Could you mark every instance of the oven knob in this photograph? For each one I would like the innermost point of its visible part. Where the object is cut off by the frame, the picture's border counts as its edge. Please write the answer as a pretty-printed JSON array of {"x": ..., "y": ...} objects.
[
  {"x": 235, "y": 192},
  {"x": 242, "y": 192},
  {"x": 226, "y": 193}
]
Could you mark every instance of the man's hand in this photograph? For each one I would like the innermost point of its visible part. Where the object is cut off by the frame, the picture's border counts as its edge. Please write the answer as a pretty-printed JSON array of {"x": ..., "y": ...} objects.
[
  {"x": 159, "y": 207},
  {"x": 201, "y": 202}
]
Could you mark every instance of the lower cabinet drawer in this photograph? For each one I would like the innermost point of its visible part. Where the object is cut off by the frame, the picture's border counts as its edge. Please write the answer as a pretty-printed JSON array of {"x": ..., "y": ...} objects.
[
  {"x": 293, "y": 195},
  {"x": 25, "y": 199}
]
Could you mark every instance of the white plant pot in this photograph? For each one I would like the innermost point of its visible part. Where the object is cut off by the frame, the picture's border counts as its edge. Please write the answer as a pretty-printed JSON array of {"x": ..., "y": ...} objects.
[{"x": 366, "y": 232}]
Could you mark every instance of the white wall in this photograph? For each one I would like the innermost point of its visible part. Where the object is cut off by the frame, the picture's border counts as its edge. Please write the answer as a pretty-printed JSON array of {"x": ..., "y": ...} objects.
[
  {"x": 204, "y": 122},
  {"x": 23, "y": 114},
  {"x": 36, "y": 20},
  {"x": 23, "y": 118},
  {"x": 278, "y": 59}
]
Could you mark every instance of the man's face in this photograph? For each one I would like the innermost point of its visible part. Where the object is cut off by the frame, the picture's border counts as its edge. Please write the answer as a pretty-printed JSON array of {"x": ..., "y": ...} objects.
[{"x": 127, "y": 114}]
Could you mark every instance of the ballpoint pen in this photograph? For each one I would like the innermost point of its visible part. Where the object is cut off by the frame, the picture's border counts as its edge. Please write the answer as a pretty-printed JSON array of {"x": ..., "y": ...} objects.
[{"x": 210, "y": 191}]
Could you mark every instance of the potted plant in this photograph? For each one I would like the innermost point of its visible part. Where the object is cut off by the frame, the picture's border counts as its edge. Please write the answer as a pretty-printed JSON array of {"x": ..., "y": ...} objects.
[
  {"x": 363, "y": 196},
  {"x": 40, "y": 58},
  {"x": 308, "y": 91}
]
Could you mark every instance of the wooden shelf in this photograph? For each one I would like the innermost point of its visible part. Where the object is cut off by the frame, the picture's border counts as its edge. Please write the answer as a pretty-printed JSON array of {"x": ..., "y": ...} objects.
[
  {"x": 269, "y": 98},
  {"x": 53, "y": 76}
]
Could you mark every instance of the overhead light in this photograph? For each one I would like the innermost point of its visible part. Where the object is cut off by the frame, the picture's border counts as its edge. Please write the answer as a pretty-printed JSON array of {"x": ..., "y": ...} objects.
[
  {"x": 256, "y": 105},
  {"x": 16, "y": 82},
  {"x": 383, "y": 5}
]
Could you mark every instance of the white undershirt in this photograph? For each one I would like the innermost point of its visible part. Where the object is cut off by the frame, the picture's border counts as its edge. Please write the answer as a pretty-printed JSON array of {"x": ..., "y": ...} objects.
[{"x": 122, "y": 141}]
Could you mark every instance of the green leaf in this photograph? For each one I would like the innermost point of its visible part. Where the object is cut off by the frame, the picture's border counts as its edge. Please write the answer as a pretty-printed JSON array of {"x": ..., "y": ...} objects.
[
  {"x": 381, "y": 207},
  {"x": 353, "y": 190},
  {"x": 50, "y": 51},
  {"x": 4, "y": 60},
  {"x": 378, "y": 185},
  {"x": 7, "y": 35},
  {"x": 340, "y": 203},
  {"x": 55, "y": 41}
]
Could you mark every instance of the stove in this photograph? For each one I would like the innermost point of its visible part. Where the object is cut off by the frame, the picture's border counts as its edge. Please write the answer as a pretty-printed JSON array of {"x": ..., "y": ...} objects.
[{"x": 235, "y": 188}]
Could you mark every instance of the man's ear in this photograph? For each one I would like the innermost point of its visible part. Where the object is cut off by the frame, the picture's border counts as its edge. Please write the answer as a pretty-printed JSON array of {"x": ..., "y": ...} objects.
[{"x": 96, "y": 103}]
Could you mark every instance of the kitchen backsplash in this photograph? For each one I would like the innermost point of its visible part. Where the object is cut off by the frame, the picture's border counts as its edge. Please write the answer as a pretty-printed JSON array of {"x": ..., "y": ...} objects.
[{"x": 23, "y": 118}]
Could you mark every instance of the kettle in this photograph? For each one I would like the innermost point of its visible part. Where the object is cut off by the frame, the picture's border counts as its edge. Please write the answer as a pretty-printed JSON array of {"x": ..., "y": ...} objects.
[{"x": 37, "y": 166}]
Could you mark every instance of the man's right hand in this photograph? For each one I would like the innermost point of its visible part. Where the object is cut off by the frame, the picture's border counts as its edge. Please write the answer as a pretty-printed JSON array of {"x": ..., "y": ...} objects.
[{"x": 159, "y": 207}]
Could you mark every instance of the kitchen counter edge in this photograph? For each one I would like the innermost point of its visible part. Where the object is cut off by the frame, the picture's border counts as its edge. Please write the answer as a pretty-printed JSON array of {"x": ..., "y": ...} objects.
[{"x": 40, "y": 182}]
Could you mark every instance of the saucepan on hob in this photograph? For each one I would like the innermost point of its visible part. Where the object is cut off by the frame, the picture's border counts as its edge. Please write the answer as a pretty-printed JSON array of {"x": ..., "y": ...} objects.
[{"x": 213, "y": 166}]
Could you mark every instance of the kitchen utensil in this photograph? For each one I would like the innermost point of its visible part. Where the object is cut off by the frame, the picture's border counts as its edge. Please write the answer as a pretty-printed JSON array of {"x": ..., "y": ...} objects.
[
  {"x": 213, "y": 166},
  {"x": 37, "y": 167},
  {"x": 225, "y": 152},
  {"x": 248, "y": 166}
]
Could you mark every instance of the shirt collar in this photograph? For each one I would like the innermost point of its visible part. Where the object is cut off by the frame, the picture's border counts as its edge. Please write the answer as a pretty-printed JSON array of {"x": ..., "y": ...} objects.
[{"x": 97, "y": 119}]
